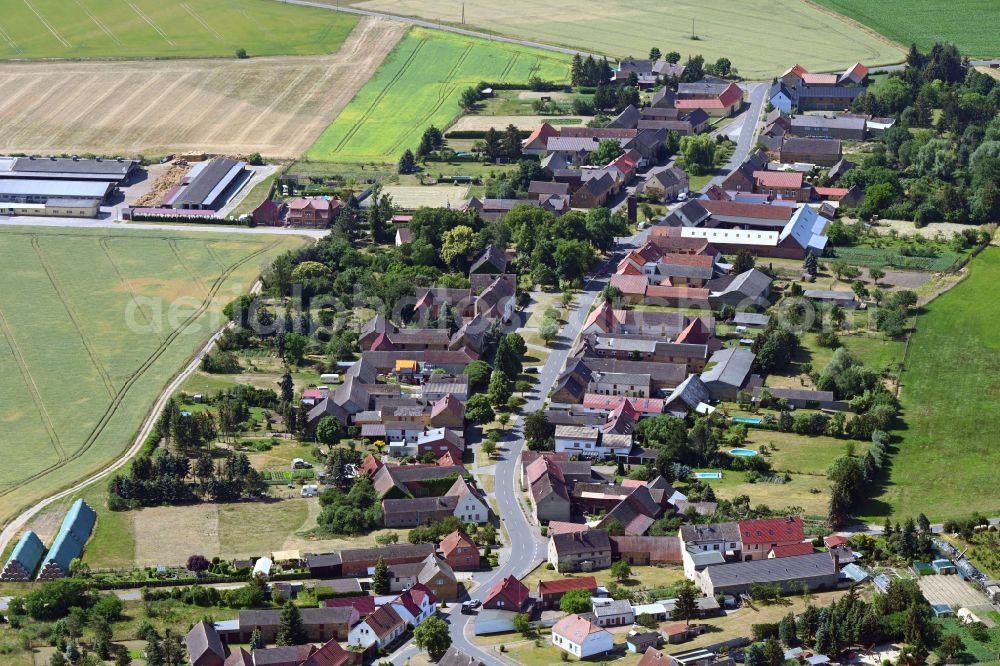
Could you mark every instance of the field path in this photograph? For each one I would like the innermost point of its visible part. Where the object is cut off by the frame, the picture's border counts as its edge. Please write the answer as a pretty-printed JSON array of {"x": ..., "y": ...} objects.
[
  {"x": 32, "y": 387},
  {"x": 106, "y": 248},
  {"x": 73, "y": 315}
]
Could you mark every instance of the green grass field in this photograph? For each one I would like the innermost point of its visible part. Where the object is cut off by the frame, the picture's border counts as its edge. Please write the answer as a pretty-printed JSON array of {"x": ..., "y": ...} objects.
[
  {"x": 419, "y": 85},
  {"x": 93, "y": 323},
  {"x": 947, "y": 460},
  {"x": 166, "y": 28},
  {"x": 971, "y": 24},
  {"x": 762, "y": 39}
]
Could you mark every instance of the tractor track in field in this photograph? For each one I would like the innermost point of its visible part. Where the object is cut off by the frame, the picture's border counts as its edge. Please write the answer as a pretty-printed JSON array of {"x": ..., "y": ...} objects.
[
  {"x": 381, "y": 95},
  {"x": 74, "y": 316},
  {"x": 29, "y": 382},
  {"x": 444, "y": 90},
  {"x": 138, "y": 373},
  {"x": 187, "y": 269},
  {"x": 508, "y": 68},
  {"x": 128, "y": 285}
]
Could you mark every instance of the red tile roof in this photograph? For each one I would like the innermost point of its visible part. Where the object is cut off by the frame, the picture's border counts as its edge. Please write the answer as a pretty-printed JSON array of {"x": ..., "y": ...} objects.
[
  {"x": 543, "y": 132},
  {"x": 796, "y": 69},
  {"x": 831, "y": 192},
  {"x": 772, "y": 530},
  {"x": 575, "y": 628},
  {"x": 564, "y": 585},
  {"x": 454, "y": 540},
  {"x": 819, "y": 79},
  {"x": 792, "y": 549},
  {"x": 683, "y": 293},
  {"x": 329, "y": 654},
  {"x": 630, "y": 284},
  {"x": 834, "y": 540},
  {"x": 700, "y": 260},
  {"x": 560, "y": 527},
  {"x": 858, "y": 69},
  {"x": 727, "y": 97},
  {"x": 364, "y": 605},
  {"x": 785, "y": 179},
  {"x": 511, "y": 590}
]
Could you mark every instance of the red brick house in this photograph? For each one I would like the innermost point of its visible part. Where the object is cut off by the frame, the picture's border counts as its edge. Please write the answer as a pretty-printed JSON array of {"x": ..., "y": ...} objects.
[
  {"x": 460, "y": 551},
  {"x": 785, "y": 184},
  {"x": 267, "y": 214},
  {"x": 315, "y": 212}
]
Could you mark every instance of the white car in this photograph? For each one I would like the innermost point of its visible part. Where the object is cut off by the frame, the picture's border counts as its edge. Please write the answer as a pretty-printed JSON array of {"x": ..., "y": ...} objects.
[{"x": 682, "y": 196}]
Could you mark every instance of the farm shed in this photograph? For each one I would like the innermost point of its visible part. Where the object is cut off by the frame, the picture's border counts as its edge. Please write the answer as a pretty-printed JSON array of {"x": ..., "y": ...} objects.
[{"x": 68, "y": 544}]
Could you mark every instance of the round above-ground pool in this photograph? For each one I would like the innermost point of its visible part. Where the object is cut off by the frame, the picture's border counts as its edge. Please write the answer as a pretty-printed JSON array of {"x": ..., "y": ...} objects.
[
  {"x": 708, "y": 475},
  {"x": 746, "y": 419},
  {"x": 742, "y": 452}
]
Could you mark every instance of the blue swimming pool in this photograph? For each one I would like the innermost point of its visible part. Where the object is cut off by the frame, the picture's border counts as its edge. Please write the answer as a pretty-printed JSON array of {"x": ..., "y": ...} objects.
[
  {"x": 708, "y": 475},
  {"x": 742, "y": 452},
  {"x": 746, "y": 419}
]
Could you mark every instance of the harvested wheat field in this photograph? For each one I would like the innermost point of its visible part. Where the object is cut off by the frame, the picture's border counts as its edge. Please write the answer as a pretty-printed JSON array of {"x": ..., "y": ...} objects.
[{"x": 275, "y": 106}]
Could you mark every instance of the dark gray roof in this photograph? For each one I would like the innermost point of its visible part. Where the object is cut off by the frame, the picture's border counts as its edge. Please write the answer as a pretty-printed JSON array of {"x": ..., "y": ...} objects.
[
  {"x": 314, "y": 561},
  {"x": 202, "y": 639},
  {"x": 751, "y": 319},
  {"x": 200, "y": 191},
  {"x": 771, "y": 570},
  {"x": 843, "y": 92},
  {"x": 627, "y": 119},
  {"x": 751, "y": 284},
  {"x": 391, "y": 551},
  {"x": 829, "y": 295},
  {"x": 691, "y": 392},
  {"x": 711, "y": 532},
  {"x": 570, "y": 543},
  {"x": 455, "y": 657},
  {"x": 804, "y": 122},
  {"x": 817, "y": 146},
  {"x": 702, "y": 88},
  {"x": 114, "y": 169},
  {"x": 730, "y": 366},
  {"x": 493, "y": 256}
]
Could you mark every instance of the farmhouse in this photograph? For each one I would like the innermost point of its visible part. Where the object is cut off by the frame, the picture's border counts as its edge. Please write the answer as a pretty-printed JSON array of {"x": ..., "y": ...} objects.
[
  {"x": 208, "y": 185},
  {"x": 580, "y": 551},
  {"x": 320, "y": 624},
  {"x": 786, "y": 185},
  {"x": 798, "y": 88},
  {"x": 547, "y": 491},
  {"x": 714, "y": 98},
  {"x": 357, "y": 561},
  {"x": 791, "y": 574},
  {"x": 825, "y": 152},
  {"x": 759, "y": 537},
  {"x": 848, "y": 128},
  {"x": 315, "y": 212},
  {"x": 509, "y": 594}
]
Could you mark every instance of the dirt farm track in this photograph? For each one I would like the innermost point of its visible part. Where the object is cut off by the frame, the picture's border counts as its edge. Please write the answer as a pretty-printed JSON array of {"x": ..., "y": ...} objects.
[{"x": 275, "y": 106}]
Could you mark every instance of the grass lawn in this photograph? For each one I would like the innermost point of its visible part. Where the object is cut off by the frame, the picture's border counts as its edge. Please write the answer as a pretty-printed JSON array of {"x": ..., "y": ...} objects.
[
  {"x": 94, "y": 322},
  {"x": 419, "y": 85},
  {"x": 947, "y": 460},
  {"x": 167, "y": 29},
  {"x": 873, "y": 349},
  {"x": 967, "y": 25},
  {"x": 818, "y": 39},
  {"x": 643, "y": 577},
  {"x": 797, "y": 492},
  {"x": 798, "y": 454}
]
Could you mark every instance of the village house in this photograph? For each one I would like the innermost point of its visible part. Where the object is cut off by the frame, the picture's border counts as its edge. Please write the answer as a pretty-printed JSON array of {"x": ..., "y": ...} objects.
[
  {"x": 716, "y": 98},
  {"x": 798, "y": 89},
  {"x": 204, "y": 647},
  {"x": 316, "y": 212},
  {"x": 460, "y": 551},
  {"x": 580, "y": 637},
  {"x": 509, "y": 594},
  {"x": 721, "y": 538},
  {"x": 380, "y": 629},
  {"x": 547, "y": 491},
  {"x": 613, "y": 613},
  {"x": 359, "y": 561},
  {"x": 580, "y": 551},
  {"x": 787, "y": 185},
  {"x": 844, "y": 127},
  {"x": 320, "y": 624},
  {"x": 759, "y": 537}
]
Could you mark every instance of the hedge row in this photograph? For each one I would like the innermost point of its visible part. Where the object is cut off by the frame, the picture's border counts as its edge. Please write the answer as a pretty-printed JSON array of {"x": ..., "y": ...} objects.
[{"x": 479, "y": 134}]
